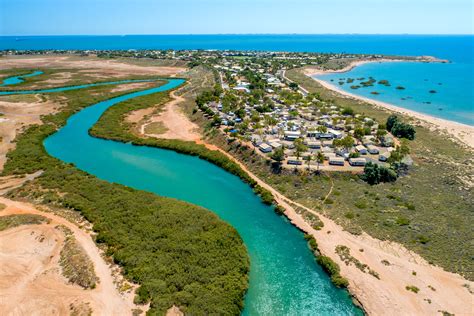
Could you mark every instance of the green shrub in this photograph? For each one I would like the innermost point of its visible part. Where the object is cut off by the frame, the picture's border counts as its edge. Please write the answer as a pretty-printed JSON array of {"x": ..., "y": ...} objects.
[
  {"x": 402, "y": 221},
  {"x": 375, "y": 174},
  {"x": 412, "y": 288},
  {"x": 349, "y": 215},
  {"x": 403, "y": 130},
  {"x": 332, "y": 268},
  {"x": 361, "y": 204}
]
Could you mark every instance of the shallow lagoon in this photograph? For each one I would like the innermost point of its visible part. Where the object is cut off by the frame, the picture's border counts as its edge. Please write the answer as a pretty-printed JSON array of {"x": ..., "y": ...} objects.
[{"x": 453, "y": 98}]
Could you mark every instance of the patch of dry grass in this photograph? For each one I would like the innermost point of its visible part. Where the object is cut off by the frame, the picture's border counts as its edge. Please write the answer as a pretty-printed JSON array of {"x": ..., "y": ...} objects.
[
  {"x": 76, "y": 265},
  {"x": 10, "y": 221}
]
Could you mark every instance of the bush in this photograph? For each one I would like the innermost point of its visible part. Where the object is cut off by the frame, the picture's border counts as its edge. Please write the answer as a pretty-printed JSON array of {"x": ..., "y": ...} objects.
[
  {"x": 375, "y": 174},
  {"x": 313, "y": 244},
  {"x": 402, "y": 221},
  {"x": 412, "y": 288},
  {"x": 332, "y": 268},
  {"x": 391, "y": 120},
  {"x": 403, "y": 130},
  {"x": 347, "y": 111}
]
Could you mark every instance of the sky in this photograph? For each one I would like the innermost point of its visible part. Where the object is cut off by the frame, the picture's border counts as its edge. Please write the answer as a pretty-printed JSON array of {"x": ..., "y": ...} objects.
[{"x": 104, "y": 17}]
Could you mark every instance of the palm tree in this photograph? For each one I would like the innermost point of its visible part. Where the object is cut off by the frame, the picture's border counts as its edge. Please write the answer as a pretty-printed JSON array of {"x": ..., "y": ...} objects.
[
  {"x": 308, "y": 159},
  {"x": 319, "y": 159}
]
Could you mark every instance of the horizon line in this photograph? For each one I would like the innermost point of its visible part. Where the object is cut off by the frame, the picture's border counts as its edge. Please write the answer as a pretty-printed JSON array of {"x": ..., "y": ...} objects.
[{"x": 245, "y": 34}]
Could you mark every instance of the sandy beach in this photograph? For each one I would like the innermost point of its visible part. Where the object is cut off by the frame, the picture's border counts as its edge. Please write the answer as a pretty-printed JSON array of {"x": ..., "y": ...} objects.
[{"x": 462, "y": 133}]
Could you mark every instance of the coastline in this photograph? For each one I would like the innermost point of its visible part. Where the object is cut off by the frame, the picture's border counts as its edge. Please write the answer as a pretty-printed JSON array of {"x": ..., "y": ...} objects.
[
  {"x": 459, "y": 132},
  {"x": 387, "y": 295}
]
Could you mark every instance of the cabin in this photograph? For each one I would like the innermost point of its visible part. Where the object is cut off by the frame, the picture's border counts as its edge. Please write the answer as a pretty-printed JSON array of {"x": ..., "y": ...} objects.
[
  {"x": 342, "y": 153},
  {"x": 292, "y": 135},
  {"x": 294, "y": 161},
  {"x": 328, "y": 156},
  {"x": 337, "y": 161},
  {"x": 326, "y": 143},
  {"x": 265, "y": 148},
  {"x": 361, "y": 149},
  {"x": 357, "y": 162},
  {"x": 373, "y": 149},
  {"x": 336, "y": 134},
  {"x": 313, "y": 144},
  {"x": 275, "y": 144},
  {"x": 324, "y": 135},
  {"x": 384, "y": 157}
]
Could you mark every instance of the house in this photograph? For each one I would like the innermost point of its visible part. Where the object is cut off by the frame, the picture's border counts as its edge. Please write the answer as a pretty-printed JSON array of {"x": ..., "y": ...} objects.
[
  {"x": 292, "y": 135},
  {"x": 372, "y": 149},
  {"x": 361, "y": 149},
  {"x": 357, "y": 162},
  {"x": 294, "y": 161},
  {"x": 337, "y": 161}
]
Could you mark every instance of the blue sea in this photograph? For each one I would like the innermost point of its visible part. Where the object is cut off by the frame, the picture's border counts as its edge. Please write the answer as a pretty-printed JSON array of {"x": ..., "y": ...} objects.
[{"x": 453, "y": 82}]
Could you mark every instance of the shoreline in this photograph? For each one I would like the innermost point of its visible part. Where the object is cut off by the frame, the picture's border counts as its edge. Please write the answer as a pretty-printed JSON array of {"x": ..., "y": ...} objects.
[
  {"x": 459, "y": 132},
  {"x": 375, "y": 296}
]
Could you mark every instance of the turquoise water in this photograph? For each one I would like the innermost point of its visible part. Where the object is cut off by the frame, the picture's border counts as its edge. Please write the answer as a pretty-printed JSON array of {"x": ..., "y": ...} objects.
[
  {"x": 453, "y": 100},
  {"x": 284, "y": 277},
  {"x": 19, "y": 79},
  {"x": 70, "y": 88}
]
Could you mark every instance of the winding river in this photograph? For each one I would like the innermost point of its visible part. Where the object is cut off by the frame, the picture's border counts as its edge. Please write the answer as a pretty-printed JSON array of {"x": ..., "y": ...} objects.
[
  {"x": 284, "y": 277},
  {"x": 19, "y": 79}
]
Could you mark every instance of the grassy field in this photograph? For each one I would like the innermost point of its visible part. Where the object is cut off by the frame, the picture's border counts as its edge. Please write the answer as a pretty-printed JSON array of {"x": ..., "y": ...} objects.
[
  {"x": 429, "y": 211},
  {"x": 155, "y": 128},
  {"x": 179, "y": 253}
]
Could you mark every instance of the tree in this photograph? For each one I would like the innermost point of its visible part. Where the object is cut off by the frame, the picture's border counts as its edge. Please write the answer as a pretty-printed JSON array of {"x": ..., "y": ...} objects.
[
  {"x": 319, "y": 157},
  {"x": 278, "y": 154},
  {"x": 399, "y": 153},
  {"x": 308, "y": 159},
  {"x": 359, "y": 132},
  {"x": 347, "y": 142},
  {"x": 322, "y": 129},
  {"x": 300, "y": 147},
  {"x": 380, "y": 134},
  {"x": 403, "y": 130},
  {"x": 293, "y": 86},
  {"x": 391, "y": 120},
  {"x": 374, "y": 174}
]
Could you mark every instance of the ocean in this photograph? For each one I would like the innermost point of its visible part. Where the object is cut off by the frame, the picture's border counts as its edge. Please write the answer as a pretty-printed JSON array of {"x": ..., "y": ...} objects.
[{"x": 453, "y": 82}]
